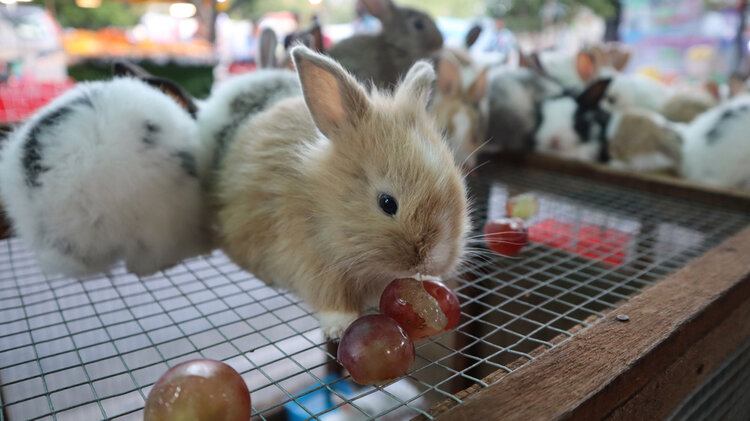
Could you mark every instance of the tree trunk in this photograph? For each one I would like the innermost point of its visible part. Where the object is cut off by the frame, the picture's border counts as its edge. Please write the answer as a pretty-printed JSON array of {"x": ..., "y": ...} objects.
[
  {"x": 739, "y": 40},
  {"x": 612, "y": 30}
]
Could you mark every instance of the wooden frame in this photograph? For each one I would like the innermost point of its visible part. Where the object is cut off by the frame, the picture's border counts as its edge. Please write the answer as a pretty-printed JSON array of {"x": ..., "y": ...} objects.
[{"x": 667, "y": 340}]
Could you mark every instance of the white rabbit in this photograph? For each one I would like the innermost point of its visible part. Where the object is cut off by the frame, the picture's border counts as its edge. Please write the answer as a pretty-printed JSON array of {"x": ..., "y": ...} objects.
[
  {"x": 712, "y": 149},
  {"x": 107, "y": 171}
]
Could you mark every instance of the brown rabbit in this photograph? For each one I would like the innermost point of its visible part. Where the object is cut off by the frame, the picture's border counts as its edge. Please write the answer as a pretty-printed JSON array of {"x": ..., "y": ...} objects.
[
  {"x": 408, "y": 35},
  {"x": 462, "y": 87},
  {"x": 335, "y": 194}
]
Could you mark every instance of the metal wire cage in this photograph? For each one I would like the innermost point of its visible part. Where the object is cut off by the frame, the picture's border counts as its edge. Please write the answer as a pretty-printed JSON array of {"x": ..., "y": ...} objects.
[{"x": 92, "y": 348}]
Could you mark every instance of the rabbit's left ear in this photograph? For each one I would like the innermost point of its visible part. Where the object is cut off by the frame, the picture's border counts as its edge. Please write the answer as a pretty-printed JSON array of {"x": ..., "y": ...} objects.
[
  {"x": 334, "y": 98},
  {"x": 478, "y": 88},
  {"x": 170, "y": 88}
]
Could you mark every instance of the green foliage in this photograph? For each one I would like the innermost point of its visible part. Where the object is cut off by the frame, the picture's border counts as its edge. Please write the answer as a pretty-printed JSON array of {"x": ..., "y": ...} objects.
[
  {"x": 528, "y": 14},
  {"x": 196, "y": 79},
  {"x": 110, "y": 13}
]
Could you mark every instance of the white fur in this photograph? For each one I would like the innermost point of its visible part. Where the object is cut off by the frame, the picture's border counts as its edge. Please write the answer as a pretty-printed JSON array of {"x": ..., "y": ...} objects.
[
  {"x": 556, "y": 135},
  {"x": 561, "y": 65},
  {"x": 628, "y": 91},
  {"x": 259, "y": 89},
  {"x": 106, "y": 194},
  {"x": 725, "y": 162},
  {"x": 334, "y": 323}
]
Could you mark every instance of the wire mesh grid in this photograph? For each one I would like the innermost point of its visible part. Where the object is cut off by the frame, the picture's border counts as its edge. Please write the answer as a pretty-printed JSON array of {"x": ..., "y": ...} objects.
[{"x": 92, "y": 348}]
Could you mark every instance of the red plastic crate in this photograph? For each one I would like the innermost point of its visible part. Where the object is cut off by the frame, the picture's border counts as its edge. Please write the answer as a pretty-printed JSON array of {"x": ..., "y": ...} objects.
[
  {"x": 593, "y": 242},
  {"x": 19, "y": 99}
]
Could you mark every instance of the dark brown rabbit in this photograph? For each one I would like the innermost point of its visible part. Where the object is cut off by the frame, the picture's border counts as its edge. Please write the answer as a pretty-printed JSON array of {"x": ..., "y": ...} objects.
[{"x": 408, "y": 35}]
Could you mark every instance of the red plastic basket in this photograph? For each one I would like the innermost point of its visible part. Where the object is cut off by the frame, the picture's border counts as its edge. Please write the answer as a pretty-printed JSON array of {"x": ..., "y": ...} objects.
[{"x": 21, "y": 98}]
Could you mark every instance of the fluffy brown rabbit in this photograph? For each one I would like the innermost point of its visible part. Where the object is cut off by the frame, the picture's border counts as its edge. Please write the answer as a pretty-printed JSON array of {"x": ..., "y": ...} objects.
[
  {"x": 462, "y": 87},
  {"x": 333, "y": 195},
  {"x": 408, "y": 35}
]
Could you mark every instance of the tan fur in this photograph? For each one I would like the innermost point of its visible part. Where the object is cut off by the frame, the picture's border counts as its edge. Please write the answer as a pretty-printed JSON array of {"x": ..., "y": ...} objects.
[
  {"x": 640, "y": 134},
  {"x": 684, "y": 107},
  {"x": 300, "y": 210}
]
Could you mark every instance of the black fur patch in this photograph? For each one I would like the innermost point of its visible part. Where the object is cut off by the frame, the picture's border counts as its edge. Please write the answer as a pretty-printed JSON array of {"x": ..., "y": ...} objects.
[
  {"x": 32, "y": 148},
  {"x": 187, "y": 162},
  {"x": 152, "y": 131},
  {"x": 713, "y": 135},
  {"x": 245, "y": 105}
]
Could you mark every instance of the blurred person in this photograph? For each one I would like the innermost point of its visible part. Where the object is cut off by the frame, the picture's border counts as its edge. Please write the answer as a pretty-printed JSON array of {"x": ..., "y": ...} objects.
[
  {"x": 500, "y": 43},
  {"x": 364, "y": 23}
]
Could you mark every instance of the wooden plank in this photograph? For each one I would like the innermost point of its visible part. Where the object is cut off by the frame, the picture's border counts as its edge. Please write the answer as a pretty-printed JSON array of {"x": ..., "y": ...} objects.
[
  {"x": 667, "y": 389},
  {"x": 599, "y": 371},
  {"x": 661, "y": 184}
]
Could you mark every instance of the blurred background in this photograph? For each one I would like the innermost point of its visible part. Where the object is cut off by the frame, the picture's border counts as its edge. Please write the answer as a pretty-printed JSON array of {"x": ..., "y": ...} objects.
[{"x": 48, "y": 45}]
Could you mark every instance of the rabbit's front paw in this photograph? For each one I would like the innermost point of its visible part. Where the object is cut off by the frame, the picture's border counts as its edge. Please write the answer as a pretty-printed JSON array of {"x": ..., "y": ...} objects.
[{"x": 334, "y": 323}]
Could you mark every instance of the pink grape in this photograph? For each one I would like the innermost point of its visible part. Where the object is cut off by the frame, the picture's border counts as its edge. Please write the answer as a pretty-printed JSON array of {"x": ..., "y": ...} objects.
[
  {"x": 375, "y": 350},
  {"x": 422, "y": 308},
  {"x": 199, "y": 390}
]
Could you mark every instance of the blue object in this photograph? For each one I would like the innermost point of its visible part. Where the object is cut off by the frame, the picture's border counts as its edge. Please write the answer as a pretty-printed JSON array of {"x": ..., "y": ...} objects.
[{"x": 317, "y": 398}]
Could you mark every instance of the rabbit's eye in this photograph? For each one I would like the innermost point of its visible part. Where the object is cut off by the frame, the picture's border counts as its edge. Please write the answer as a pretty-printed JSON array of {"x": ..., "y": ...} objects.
[
  {"x": 418, "y": 24},
  {"x": 388, "y": 204}
]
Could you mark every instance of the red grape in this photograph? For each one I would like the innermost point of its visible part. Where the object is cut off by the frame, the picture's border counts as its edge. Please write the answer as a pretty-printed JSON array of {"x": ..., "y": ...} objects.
[
  {"x": 200, "y": 390},
  {"x": 374, "y": 349},
  {"x": 506, "y": 236},
  {"x": 523, "y": 206},
  {"x": 422, "y": 308}
]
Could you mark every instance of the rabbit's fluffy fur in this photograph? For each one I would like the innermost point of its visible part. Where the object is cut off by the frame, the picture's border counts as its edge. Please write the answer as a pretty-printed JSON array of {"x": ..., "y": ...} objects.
[
  {"x": 238, "y": 99},
  {"x": 297, "y": 196},
  {"x": 108, "y": 171}
]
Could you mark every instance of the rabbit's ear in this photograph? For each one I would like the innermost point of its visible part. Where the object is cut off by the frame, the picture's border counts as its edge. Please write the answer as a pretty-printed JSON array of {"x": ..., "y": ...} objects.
[
  {"x": 176, "y": 92},
  {"x": 335, "y": 100},
  {"x": 472, "y": 35},
  {"x": 170, "y": 88},
  {"x": 586, "y": 66},
  {"x": 478, "y": 88},
  {"x": 594, "y": 93},
  {"x": 267, "y": 49},
  {"x": 417, "y": 84},
  {"x": 122, "y": 68},
  {"x": 381, "y": 9},
  {"x": 448, "y": 77}
]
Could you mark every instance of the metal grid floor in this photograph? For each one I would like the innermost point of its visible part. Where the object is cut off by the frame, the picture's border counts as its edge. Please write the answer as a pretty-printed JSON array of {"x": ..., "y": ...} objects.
[{"x": 91, "y": 349}]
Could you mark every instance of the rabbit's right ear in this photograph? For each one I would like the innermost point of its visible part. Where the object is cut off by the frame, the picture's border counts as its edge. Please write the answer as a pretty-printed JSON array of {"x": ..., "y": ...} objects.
[
  {"x": 449, "y": 77},
  {"x": 170, "y": 88},
  {"x": 417, "y": 84},
  {"x": 472, "y": 35},
  {"x": 267, "y": 49},
  {"x": 335, "y": 100},
  {"x": 122, "y": 68},
  {"x": 381, "y": 9},
  {"x": 586, "y": 66}
]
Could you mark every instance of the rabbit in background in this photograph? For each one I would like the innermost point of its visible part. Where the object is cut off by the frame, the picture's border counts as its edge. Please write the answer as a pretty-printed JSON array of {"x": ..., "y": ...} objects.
[
  {"x": 407, "y": 35},
  {"x": 458, "y": 105},
  {"x": 334, "y": 194},
  {"x": 109, "y": 171}
]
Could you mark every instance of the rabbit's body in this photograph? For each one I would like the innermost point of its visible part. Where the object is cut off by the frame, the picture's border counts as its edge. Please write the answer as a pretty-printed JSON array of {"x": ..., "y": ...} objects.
[
  {"x": 514, "y": 98},
  {"x": 408, "y": 35},
  {"x": 458, "y": 103},
  {"x": 716, "y": 150},
  {"x": 712, "y": 149},
  {"x": 302, "y": 195},
  {"x": 108, "y": 171}
]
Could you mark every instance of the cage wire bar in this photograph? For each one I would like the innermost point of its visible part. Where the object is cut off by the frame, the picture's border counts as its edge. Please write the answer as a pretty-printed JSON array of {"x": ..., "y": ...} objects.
[{"x": 92, "y": 348}]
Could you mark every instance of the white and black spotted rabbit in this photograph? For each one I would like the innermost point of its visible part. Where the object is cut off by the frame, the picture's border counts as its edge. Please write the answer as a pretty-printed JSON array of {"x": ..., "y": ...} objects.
[{"x": 109, "y": 171}]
